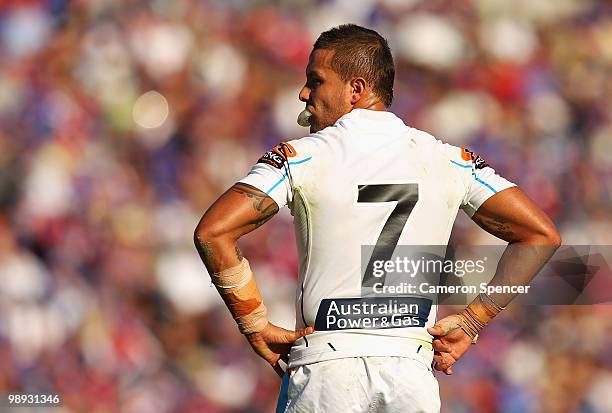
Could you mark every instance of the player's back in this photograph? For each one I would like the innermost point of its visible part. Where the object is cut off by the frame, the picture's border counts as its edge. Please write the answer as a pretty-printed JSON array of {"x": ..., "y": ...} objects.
[{"x": 357, "y": 190}]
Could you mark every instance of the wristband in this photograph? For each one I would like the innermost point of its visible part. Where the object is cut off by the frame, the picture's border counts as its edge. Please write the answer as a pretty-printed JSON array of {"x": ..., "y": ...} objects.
[{"x": 478, "y": 314}]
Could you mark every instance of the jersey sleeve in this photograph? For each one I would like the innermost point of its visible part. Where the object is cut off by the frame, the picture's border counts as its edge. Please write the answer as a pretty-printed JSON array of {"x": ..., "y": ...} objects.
[
  {"x": 480, "y": 180},
  {"x": 277, "y": 170}
]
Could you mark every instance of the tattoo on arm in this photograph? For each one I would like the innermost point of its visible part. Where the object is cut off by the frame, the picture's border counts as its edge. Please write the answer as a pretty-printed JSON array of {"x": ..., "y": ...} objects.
[
  {"x": 498, "y": 227},
  {"x": 214, "y": 254},
  {"x": 211, "y": 260},
  {"x": 206, "y": 253},
  {"x": 262, "y": 203},
  {"x": 255, "y": 194}
]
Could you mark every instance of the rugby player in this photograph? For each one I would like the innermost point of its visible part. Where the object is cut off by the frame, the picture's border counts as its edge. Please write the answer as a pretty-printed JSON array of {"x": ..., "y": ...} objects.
[{"x": 362, "y": 177}]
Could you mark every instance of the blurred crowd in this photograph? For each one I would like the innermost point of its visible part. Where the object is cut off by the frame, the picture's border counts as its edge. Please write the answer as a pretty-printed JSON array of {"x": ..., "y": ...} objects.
[{"x": 122, "y": 121}]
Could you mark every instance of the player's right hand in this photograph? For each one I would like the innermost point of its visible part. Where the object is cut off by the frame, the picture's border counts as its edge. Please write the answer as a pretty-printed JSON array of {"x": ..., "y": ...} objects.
[{"x": 273, "y": 343}]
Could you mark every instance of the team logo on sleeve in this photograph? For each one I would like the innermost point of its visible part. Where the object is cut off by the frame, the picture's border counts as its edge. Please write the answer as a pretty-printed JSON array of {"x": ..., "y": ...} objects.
[
  {"x": 278, "y": 155},
  {"x": 476, "y": 159}
]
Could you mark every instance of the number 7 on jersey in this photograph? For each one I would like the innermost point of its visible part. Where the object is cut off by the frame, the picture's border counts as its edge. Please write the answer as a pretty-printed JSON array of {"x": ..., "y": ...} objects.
[{"x": 406, "y": 195}]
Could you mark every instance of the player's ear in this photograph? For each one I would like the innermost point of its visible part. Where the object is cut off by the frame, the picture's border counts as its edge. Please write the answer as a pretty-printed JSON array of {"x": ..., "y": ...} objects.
[{"x": 358, "y": 89}]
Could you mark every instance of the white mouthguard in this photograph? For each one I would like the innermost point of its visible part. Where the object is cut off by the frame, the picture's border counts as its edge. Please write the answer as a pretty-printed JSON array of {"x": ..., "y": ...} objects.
[{"x": 304, "y": 118}]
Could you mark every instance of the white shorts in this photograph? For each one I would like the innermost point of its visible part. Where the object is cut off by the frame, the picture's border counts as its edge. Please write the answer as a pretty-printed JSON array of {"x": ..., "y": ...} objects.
[{"x": 361, "y": 384}]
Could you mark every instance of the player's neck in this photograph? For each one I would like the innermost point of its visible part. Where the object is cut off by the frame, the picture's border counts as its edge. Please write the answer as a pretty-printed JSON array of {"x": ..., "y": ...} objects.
[{"x": 371, "y": 103}]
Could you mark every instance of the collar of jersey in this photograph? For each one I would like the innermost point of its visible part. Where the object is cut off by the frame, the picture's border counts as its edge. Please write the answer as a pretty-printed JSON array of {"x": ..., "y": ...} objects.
[{"x": 370, "y": 115}]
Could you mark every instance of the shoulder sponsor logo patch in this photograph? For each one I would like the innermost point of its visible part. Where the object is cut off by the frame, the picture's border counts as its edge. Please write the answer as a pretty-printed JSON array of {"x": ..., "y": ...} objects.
[
  {"x": 468, "y": 155},
  {"x": 278, "y": 155}
]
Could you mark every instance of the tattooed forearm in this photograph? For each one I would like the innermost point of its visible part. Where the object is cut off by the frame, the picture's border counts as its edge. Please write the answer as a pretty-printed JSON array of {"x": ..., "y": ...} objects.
[
  {"x": 206, "y": 253},
  {"x": 215, "y": 256}
]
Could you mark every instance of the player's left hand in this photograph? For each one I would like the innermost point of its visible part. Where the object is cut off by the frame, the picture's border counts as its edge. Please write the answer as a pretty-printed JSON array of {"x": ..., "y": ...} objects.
[
  {"x": 450, "y": 343},
  {"x": 274, "y": 343}
]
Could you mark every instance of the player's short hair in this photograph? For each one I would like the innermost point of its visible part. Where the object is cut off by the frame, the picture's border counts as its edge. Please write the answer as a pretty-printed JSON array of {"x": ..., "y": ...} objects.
[{"x": 361, "y": 52}]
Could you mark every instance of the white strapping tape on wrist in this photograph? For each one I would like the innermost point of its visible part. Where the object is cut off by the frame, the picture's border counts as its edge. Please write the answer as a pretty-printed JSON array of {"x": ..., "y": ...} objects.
[
  {"x": 241, "y": 295},
  {"x": 253, "y": 322}
]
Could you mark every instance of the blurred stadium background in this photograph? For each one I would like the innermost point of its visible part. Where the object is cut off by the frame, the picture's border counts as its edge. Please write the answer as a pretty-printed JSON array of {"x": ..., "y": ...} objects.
[{"x": 121, "y": 121}]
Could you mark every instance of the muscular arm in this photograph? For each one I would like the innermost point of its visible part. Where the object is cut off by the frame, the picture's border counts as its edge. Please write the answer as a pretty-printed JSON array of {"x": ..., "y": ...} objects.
[
  {"x": 532, "y": 238},
  {"x": 237, "y": 212}
]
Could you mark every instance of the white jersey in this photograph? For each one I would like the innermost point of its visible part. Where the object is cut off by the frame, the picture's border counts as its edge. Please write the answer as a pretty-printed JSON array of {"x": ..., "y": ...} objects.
[{"x": 367, "y": 180}]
